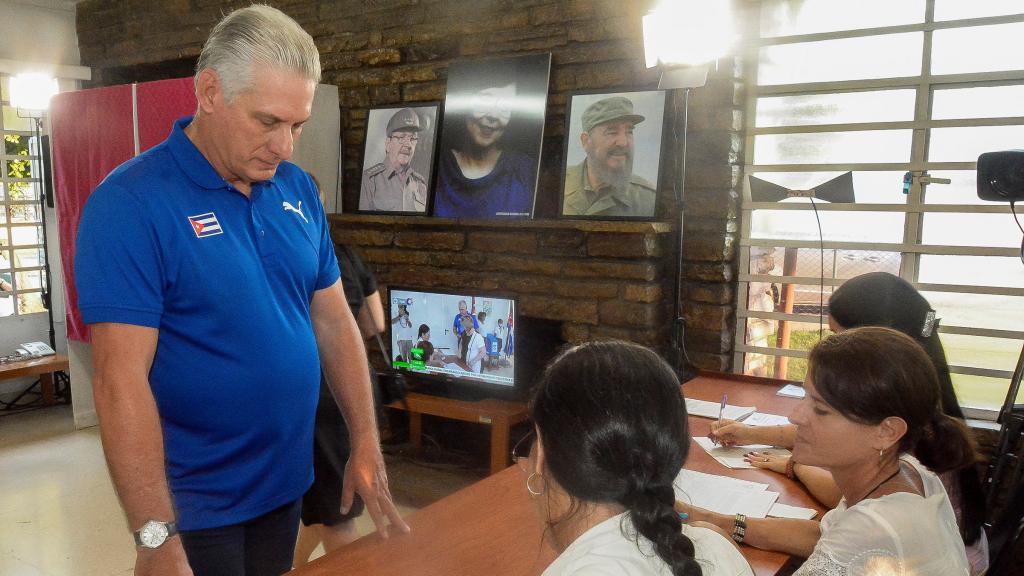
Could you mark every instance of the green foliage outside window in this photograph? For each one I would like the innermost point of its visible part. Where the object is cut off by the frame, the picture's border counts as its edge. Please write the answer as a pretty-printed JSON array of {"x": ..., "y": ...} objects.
[{"x": 17, "y": 145}]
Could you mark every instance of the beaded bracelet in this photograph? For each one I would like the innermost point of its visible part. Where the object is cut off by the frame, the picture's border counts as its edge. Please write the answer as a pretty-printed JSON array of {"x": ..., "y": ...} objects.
[
  {"x": 791, "y": 469},
  {"x": 739, "y": 528}
]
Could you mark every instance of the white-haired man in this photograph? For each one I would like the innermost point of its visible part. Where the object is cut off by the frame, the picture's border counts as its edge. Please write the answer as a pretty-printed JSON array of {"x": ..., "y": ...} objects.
[{"x": 206, "y": 271}]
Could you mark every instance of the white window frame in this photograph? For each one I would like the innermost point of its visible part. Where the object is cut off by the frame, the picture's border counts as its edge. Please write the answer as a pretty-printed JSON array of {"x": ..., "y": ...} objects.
[{"x": 914, "y": 209}]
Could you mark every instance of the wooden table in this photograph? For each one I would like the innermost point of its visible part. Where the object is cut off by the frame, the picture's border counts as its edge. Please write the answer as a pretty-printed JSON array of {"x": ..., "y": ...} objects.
[
  {"x": 501, "y": 415},
  {"x": 43, "y": 367},
  {"x": 492, "y": 527}
]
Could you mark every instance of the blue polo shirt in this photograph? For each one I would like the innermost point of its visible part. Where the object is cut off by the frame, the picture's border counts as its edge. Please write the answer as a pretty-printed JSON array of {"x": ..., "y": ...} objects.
[{"x": 165, "y": 242}]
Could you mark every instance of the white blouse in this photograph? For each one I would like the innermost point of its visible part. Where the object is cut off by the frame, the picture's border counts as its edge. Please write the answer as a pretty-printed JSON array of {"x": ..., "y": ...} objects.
[
  {"x": 899, "y": 534},
  {"x": 611, "y": 549}
]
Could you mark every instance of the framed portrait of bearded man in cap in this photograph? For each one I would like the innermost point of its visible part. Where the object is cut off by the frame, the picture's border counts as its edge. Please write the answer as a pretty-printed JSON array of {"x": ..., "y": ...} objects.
[
  {"x": 398, "y": 159},
  {"x": 613, "y": 155}
]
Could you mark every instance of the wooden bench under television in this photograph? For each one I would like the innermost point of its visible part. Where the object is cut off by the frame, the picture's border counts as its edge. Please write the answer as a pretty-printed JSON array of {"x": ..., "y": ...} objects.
[{"x": 500, "y": 415}]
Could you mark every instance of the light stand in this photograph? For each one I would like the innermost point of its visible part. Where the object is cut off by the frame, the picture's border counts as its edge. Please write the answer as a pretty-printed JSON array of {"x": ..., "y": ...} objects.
[
  {"x": 1004, "y": 478},
  {"x": 1001, "y": 179},
  {"x": 37, "y": 121},
  {"x": 682, "y": 38},
  {"x": 686, "y": 78},
  {"x": 47, "y": 285}
]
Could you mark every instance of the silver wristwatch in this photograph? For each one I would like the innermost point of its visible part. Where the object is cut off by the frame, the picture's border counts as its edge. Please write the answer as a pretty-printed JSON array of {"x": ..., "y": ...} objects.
[{"x": 154, "y": 533}]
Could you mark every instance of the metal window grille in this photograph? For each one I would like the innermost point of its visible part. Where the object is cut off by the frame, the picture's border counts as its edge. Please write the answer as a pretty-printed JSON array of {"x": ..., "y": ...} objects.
[
  {"x": 21, "y": 236},
  {"x": 881, "y": 123}
]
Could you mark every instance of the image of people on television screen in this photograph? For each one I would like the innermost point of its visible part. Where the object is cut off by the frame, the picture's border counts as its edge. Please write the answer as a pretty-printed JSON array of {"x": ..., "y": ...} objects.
[
  {"x": 501, "y": 333},
  {"x": 425, "y": 352},
  {"x": 464, "y": 312},
  {"x": 473, "y": 348},
  {"x": 461, "y": 336},
  {"x": 404, "y": 331}
]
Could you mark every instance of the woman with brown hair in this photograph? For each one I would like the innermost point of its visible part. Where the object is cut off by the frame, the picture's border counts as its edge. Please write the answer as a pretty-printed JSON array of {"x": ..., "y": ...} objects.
[
  {"x": 873, "y": 418},
  {"x": 880, "y": 299}
]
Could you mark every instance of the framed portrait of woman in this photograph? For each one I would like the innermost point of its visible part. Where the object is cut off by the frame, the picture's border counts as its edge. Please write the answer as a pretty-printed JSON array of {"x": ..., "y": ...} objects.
[
  {"x": 612, "y": 155},
  {"x": 398, "y": 159},
  {"x": 491, "y": 137}
]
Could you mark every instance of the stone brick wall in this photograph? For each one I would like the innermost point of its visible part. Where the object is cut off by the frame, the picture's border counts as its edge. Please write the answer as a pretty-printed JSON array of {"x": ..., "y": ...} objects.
[
  {"x": 598, "y": 279},
  {"x": 384, "y": 52}
]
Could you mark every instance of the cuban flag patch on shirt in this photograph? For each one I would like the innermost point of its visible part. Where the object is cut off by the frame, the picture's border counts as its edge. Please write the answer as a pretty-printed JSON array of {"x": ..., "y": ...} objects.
[{"x": 205, "y": 225}]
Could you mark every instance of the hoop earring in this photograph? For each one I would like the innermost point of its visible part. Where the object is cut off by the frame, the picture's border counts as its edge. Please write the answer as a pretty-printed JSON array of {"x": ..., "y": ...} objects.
[{"x": 530, "y": 488}]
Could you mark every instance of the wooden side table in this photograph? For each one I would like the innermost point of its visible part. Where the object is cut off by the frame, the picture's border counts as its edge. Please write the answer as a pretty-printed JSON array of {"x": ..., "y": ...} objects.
[
  {"x": 43, "y": 367},
  {"x": 501, "y": 415}
]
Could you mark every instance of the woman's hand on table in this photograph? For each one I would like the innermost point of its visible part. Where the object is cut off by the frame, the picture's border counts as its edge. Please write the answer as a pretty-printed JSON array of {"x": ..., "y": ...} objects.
[{"x": 766, "y": 461}]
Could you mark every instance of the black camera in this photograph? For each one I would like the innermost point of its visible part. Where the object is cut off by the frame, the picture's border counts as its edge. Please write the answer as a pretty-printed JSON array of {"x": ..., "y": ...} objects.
[{"x": 1001, "y": 176}]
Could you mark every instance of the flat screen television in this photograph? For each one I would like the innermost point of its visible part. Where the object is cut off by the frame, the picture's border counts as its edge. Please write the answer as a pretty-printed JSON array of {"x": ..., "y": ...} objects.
[{"x": 460, "y": 345}]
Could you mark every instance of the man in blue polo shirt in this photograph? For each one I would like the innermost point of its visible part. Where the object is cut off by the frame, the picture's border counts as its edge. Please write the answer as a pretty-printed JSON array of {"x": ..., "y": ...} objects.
[{"x": 206, "y": 271}]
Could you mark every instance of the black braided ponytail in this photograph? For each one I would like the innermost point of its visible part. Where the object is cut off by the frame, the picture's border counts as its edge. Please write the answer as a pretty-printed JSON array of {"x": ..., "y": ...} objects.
[
  {"x": 613, "y": 426},
  {"x": 655, "y": 518}
]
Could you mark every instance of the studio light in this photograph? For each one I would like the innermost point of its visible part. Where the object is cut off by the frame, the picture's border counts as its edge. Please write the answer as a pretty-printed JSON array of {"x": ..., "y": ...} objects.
[
  {"x": 684, "y": 36},
  {"x": 31, "y": 91}
]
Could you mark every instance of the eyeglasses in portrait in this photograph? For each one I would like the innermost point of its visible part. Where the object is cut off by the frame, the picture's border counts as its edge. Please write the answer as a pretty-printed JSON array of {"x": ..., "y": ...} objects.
[{"x": 398, "y": 159}]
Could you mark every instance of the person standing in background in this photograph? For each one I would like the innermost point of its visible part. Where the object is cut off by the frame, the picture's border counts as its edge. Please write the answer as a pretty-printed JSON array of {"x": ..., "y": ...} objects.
[
  {"x": 457, "y": 326},
  {"x": 472, "y": 348},
  {"x": 404, "y": 332}
]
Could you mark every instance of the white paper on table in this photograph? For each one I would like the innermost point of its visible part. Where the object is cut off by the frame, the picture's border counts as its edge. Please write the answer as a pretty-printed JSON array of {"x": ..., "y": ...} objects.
[
  {"x": 779, "y": 510},
  {"x": 693, "y": 479},
  {"x": 792, "y": 391},
  {"x": 723, "y": 494},
  {"x": 753, "y": 504},
  {"x": 711, "y": 409},
  {"x": 732, "y": 457},
  {"x": 762, "y": 419}
]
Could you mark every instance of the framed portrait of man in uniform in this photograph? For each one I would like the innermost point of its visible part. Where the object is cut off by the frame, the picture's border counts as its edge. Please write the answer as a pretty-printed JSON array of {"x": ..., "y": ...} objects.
[
  {"x": 398, "y": 159},
  {"x": 613, "y": 155}
]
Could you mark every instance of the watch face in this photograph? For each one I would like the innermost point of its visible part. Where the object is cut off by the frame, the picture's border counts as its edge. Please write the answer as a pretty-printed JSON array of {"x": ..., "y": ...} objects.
[{"x": 153, "y": 534}]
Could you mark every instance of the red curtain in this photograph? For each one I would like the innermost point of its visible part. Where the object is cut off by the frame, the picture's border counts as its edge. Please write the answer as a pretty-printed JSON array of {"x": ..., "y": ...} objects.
[
  {"x": 160, "y": 103},
  {"x": 92, "y": 133}
]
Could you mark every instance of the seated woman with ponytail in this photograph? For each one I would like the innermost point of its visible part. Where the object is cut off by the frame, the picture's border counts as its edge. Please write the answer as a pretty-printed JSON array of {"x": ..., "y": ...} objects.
[
  {"x": 880, "y": 299},
  {"x": 611, "y": 436},
  {"x": 873, "y": 418}
]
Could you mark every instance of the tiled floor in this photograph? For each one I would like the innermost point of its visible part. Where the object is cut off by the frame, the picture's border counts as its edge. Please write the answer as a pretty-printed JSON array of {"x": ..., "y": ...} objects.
[{"x": 59, "y": 515}]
